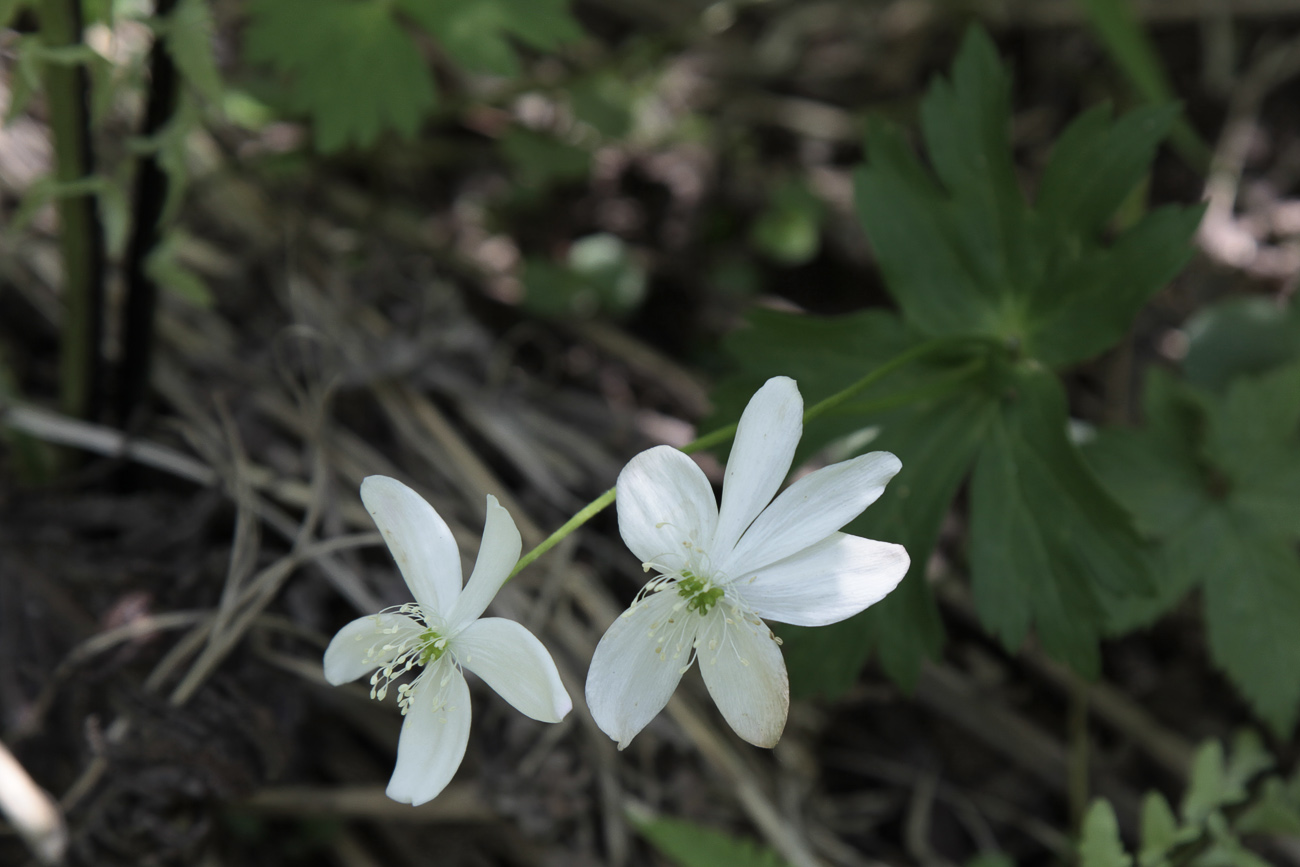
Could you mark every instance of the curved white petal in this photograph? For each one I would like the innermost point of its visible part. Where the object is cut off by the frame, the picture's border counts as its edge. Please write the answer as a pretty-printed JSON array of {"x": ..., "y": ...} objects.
[
  {"x": 745, "y": 675},
  {"x": 433, "y": 740},
  {"x": 497, "y": 555},
  {"x": 628, "y": 682},
  {"x": 665, "y": 502},
  {"x": 359, "y": 647},
  {"x": 419, "y": 540},
  {"x": 827, "y": 583},
  {"x": 810, "y": 510},
  {"x": 513, "y": 662},
  {"x": 766, "y": 439}
]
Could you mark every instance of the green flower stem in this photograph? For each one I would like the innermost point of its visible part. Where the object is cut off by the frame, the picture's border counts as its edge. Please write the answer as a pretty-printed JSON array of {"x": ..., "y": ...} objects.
[
  {"x": 722, "y": 435},
  {"x": 588, "y": 512}
]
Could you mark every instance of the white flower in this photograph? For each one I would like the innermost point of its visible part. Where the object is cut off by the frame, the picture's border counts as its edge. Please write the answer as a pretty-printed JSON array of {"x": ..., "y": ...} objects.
[
  {"x": 722, "y": 571},
  {"x": 439, "y": 634}
]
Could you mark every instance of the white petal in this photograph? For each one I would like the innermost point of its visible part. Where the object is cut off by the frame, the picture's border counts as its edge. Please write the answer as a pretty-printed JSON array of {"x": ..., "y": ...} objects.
[
  {"x": 827, "y": 583},
  {"x": 514, "y": 663},
  {"x": 810, "y": 510},
  {"x": 664, "y": 502},
  {"x": 766, "y": 439},
  {"x": 497, "y": 555},
  {"x": 433, "y": 740},
  {"x": 419, "y": 539},
  {"x": 746, "y": 676},
  {"x": 349, "y": 653},
  {"x": 628, "y": 683}
]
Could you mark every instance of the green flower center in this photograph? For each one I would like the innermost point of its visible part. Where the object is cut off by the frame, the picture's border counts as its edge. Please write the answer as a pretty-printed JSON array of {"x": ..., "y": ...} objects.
[
  {"x": 432, "y": 646},
  {"x": 699, "y": 592}
]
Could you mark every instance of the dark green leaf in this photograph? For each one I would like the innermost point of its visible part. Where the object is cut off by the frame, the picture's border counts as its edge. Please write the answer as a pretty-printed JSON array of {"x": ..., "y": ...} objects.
[
  {"x": 1048, "y": 545},
  {"x": 1093, "y": 299},
  {"x": 1097, "y": 163},
  {"x": 1240, "y": 337}
]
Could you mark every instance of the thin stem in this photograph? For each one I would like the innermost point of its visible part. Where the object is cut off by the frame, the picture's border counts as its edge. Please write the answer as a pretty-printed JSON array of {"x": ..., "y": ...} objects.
[
  {"x": 589, "y": 511},
  {"x": 721, "y": 435},
  {"x": 81, "y": 241}
]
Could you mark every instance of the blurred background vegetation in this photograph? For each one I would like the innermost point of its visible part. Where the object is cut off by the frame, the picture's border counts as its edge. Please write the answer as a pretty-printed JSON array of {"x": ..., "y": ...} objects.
[{"x": 252, "y": 251}]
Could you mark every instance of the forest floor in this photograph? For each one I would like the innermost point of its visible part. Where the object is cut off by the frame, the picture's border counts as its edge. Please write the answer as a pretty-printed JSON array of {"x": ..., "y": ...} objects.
[{"x": 164, "y": 604}]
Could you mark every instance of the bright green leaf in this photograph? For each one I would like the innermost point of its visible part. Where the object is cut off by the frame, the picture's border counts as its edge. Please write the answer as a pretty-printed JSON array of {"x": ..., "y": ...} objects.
[
  {"x": 1159, "y": 829},
  {"x": 1100, "y": 845},
  {"x": 1205, "y": 789},
  {"x": 187, "y": 34},
  {"x": 347, "y": 64},
  {"x": 690, "y": 845}
]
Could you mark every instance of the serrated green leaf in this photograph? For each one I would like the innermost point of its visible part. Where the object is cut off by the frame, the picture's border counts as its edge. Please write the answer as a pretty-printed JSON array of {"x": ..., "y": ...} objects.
[
  {"x": 1100, "y": 845},
  {"x": 1217, "y": 479},
  {"x": 347, "y": 64},
  {"x": 1205, "y": 788},
  {"x": 1048, "y": 545},
  {"x": 1159, "y": 829},
  {"x": 1098, "y": 162},
  {"x": 1158, "y": 474},
  {"x": 1275, "y": 812},
  {"x": 962, "y": 252},
  {"x": 476, "y": 34},
  {"x": 1247, "y": 759},
  {"x": 187, "y": 33},
  {"x": 690, "y": 845},
  {"x": 1240, "y": 337}
]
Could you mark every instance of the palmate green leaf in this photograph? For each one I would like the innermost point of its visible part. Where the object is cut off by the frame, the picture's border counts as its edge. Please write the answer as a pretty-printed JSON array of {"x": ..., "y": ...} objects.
[
  {"x": 690, "y": 845},
  {"x": 1048, "y": 544},
  {"x": 964, "y": 254},
  {"x": 1217, "y": 480},
  {"x": 477, "y": 34},
  {"x": 347, "y": 64}
]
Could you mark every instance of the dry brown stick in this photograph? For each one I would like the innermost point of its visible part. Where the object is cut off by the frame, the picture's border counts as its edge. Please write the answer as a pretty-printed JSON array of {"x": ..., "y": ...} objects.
[
  {"x": 414, "y": 413},
  {"x": 1221, "y": 236},
  {"x": 959, "y": 700}
]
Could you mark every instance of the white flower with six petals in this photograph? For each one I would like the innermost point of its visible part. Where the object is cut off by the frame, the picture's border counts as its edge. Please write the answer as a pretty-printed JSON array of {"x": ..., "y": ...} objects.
[
  {"x": 441, "y": 633},
  {"x": 723, "y": 571}
]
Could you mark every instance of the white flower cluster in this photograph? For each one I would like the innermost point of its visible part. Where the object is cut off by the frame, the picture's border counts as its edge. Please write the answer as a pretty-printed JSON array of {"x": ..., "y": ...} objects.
[{"x": 720, "y": 573}]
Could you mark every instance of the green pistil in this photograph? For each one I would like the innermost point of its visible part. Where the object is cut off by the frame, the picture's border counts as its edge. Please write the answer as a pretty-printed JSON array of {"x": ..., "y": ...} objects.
[
  {"x": 701, "y": 594},
  {"x": 433, "y": 647}
]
